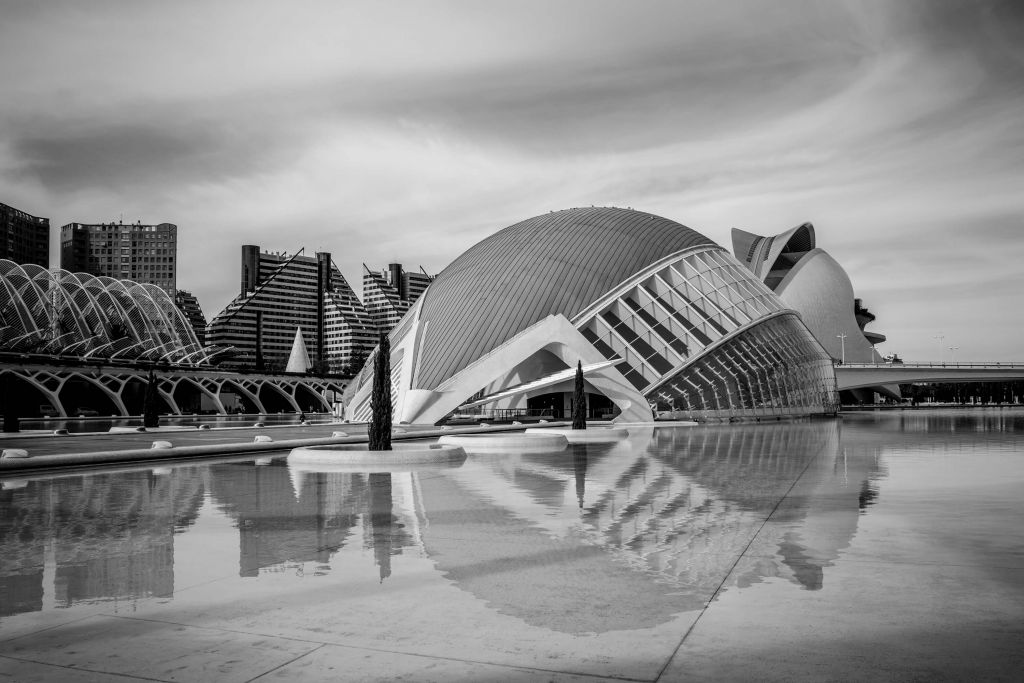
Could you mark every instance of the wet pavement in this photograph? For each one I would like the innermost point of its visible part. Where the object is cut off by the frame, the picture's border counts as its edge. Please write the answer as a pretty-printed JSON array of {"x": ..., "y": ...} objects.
[{"x": 875, "y": 547}]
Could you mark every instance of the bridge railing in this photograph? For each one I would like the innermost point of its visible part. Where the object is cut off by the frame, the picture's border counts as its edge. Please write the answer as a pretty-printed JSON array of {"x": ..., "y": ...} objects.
[{"x": 993, "y": 365}]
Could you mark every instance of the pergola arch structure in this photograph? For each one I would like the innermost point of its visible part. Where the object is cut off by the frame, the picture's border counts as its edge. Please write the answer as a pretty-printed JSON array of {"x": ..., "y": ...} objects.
[
  {"x": 114, "y": 384},
  {"x": 63, "y": 313}
]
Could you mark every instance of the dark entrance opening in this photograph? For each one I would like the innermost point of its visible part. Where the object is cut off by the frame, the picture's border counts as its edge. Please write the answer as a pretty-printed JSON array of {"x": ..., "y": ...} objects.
[
  {"x": 23, "y": 399},
  {"x": 308, "y": 401},
  {"x": 81, "y": 397},
  {"x": 547, "y": 404},
  {"x": 134, "y": 397},
  {"x": 600, "y": 407},
  {"x": 235, "y": 400},
  {"x": 189, "y": 397},
  {"x": 273, "y": 400}
]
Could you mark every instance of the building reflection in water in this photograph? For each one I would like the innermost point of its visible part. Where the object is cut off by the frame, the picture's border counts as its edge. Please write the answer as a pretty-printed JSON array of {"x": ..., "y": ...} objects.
[
  {"x": 741, "y": 472},
  {"x": 593, "y": 538},
  {"x": 287, "y": 517},
  {"x": 659, "y": 519},
  {"x": 100, "y": 537}
]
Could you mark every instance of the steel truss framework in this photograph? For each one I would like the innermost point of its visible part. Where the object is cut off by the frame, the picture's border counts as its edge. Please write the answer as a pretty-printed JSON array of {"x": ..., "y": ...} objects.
[
  {"x": 261, "y": 392},
  {"x": 79, "y": 315}
]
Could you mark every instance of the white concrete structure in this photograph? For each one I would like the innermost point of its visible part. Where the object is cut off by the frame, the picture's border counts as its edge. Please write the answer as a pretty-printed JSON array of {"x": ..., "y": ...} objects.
[
  {"x": 298, "y": 359},
  {"x": 811, "y": 282},
  {"x": 659, "y": 315}
]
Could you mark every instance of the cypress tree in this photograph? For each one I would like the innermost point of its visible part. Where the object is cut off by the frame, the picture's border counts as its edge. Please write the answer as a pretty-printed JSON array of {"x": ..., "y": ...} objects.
[
  {"x": 150, "y": 405},
  {"x": 579, "y": 400},
  {"x": 380, "y": 399}
]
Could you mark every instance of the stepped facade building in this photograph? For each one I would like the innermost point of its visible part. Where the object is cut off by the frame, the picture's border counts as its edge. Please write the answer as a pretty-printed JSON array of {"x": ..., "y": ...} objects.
[
  {"x": 188, "y": 304},
  {"x": 24, "y": 238},
  {"x": 280, "y": 293},
  {"x": 141, "y": 253},
  {"x": 661, "y": 317},
  {"x": 389, "y": 293}
]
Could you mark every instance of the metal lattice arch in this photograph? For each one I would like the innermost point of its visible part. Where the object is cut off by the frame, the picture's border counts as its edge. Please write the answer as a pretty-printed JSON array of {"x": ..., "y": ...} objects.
[
  {"x": 58, "y": 313},
  {"x": 660, "y": 316}
]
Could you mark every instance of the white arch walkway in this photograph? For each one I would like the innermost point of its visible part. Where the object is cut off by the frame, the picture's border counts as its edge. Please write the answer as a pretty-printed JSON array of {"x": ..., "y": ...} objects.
[{"x": 111, "y": 383}]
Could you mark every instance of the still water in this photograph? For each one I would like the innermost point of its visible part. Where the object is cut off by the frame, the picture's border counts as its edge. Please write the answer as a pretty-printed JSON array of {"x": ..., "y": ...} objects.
[
  {"x": 99, "y": 424},
  {"x": 637, "y": 536}
]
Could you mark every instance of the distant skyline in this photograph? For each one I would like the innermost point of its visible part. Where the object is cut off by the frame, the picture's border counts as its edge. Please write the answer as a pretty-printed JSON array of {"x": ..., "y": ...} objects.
[{"x": 408, "y": 131}]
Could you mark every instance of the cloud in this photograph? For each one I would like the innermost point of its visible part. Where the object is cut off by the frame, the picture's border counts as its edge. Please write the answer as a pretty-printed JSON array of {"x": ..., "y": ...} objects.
[{"x": 408, "y": 131}]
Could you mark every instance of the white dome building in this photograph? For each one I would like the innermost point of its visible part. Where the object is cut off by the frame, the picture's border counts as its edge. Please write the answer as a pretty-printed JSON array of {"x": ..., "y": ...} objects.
[{"x": 660, "y": 316}]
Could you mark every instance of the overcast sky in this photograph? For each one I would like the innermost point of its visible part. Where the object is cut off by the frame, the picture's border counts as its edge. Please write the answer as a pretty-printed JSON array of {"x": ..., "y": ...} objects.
[{"x": 408, "y": 131}]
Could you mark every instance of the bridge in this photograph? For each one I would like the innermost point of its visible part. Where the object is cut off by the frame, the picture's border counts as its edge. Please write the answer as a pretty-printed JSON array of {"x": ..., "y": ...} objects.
[
  {"x": 51, "y": 388},
  {"x": 861, "y": 375}
]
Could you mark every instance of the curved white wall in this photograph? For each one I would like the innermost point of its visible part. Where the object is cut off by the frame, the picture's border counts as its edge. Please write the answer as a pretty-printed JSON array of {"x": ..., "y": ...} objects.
[{"x": 821, "y": 292}]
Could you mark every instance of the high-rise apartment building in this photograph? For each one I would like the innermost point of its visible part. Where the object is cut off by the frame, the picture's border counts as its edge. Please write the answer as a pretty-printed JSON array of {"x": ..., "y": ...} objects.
[
  {"x": 188, "y": 304},
  {"x": 24, "y": 238},
  {"x": 280, "y": 293},
  {"x": 143, "y": 253},
  {"x": 389, "y": 293}
]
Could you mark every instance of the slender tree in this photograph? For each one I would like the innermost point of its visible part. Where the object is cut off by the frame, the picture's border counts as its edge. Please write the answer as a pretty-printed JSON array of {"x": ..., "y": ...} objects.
[
  {"x": 151, "y": 403},
  {"x": 579, "y": 400},
  {"x": 380, "y": 400}
]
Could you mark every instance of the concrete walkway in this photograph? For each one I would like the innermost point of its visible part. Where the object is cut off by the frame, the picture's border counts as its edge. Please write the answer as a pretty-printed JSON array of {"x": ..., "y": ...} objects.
[{"x": 49, "y": 450}]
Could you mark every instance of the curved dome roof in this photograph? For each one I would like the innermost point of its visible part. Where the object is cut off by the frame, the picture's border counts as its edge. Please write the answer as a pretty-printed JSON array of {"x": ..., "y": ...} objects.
[{"x": 559, "y": 262}]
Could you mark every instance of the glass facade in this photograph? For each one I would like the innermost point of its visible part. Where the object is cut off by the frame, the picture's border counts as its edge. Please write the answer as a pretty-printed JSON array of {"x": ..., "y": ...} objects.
[
  {"x": 701, "y": 334},
  {"x": 772, "y": 369}
]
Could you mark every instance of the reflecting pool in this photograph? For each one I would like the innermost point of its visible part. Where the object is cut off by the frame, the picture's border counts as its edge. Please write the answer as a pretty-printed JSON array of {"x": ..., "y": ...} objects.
[{"x": 704, "y": 551}]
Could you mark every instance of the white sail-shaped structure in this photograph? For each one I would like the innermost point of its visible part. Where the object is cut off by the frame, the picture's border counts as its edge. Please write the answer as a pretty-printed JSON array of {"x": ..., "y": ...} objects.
[{"x": 298, "y": 360}]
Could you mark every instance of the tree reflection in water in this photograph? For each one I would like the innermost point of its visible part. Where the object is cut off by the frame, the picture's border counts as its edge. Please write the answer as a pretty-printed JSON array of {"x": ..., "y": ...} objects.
[{"x": 381, "y": 521}]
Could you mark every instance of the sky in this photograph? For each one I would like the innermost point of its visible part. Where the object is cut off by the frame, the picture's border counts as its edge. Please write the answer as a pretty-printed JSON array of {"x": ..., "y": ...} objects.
[{"x": 409, "y": 130}]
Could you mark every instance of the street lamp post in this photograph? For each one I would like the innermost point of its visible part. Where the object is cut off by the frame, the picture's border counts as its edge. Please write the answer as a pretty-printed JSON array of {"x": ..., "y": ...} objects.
[
  {"x": 938, "y": 343},
  {"x": 842, "y": 341},
  {"x": 952, "y": 351}
]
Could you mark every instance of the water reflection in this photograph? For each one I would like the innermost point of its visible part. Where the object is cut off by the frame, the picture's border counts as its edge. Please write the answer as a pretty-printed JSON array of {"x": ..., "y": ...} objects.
[
  {"x": 89, "y": 425},
  {"x": 385, "y": 532},
  {"x": 737, "y": 476},
  {"x": 594, "y": 538},
  {"x": 675, "y": 506},
  {"x": 89, "y": 538},
  {"x": 286, "y": 520}
]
